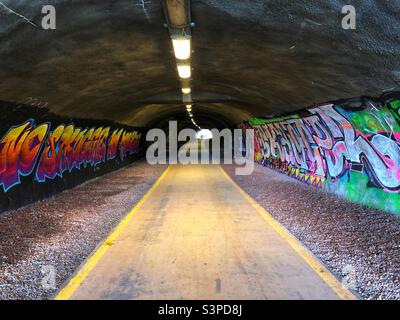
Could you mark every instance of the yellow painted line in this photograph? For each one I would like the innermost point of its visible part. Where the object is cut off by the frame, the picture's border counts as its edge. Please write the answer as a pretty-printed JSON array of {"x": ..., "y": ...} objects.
[
  {"x": 311, "y": 260},
  {"x": 88, "y": 266}
]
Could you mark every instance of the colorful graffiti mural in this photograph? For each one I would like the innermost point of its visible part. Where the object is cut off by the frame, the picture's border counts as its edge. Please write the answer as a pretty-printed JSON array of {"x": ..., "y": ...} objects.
[
  {"x": 28, "y": 146},
  {"x": 355, "y": 154}
]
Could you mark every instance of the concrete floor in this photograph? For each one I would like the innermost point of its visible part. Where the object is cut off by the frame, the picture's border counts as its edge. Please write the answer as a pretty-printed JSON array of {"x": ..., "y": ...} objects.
[{"x": 196, "y": 236}]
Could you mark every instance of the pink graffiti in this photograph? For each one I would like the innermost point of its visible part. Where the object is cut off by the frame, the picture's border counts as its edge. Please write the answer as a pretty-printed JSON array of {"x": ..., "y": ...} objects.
[{"x": 325, "y": 144}]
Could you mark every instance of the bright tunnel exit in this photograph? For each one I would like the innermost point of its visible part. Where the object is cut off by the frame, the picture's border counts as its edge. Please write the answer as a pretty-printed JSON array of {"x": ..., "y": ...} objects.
[{"x": 204, "y": 134}]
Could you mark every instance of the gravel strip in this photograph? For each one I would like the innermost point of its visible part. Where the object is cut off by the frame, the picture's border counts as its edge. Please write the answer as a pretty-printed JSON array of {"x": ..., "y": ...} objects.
[
  {"x": 356, "y": 242},
  {"x": 59, "y": 233}
]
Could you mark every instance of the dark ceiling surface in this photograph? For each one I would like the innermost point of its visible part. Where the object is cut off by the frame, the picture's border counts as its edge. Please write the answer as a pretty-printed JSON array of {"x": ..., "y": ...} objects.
[{"x": 113, "y": 59}]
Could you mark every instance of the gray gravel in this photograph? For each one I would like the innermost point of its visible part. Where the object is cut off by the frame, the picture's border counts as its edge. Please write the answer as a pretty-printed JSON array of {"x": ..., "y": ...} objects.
[
  {"x": 60, "y": 233},
  {"x": 356, "y": 242}
]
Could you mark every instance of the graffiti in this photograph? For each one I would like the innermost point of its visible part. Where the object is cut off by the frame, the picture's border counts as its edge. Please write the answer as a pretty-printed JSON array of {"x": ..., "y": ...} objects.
[
  {"x": 19, "y": 151},
  {"x": 67, "y": 147},
  {"x": 129, "y": 143},
  {"x": 113, "y": 144},
  {"x": 332, "y": 144}
]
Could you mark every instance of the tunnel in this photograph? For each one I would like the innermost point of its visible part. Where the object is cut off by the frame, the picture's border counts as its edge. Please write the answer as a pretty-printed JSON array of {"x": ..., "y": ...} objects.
[{"x": 199, "y": 150}]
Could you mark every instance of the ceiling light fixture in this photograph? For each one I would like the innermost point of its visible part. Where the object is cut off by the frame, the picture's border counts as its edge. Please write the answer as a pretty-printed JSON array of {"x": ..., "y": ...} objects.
[
  {"x": 186, "y": 90},
  {"x": 182, "y": 47},
  {"x": 184, "y": 71}
]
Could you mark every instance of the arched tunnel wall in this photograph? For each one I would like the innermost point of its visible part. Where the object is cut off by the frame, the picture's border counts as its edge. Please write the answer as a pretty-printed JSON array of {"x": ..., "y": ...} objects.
[
  {"x": 350, "y": 148},
  {"x": 42, "y": 154}
]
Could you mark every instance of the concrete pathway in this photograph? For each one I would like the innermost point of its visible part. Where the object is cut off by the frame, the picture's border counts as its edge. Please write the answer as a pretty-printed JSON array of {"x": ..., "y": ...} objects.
[{"x": 196, "y": 235}]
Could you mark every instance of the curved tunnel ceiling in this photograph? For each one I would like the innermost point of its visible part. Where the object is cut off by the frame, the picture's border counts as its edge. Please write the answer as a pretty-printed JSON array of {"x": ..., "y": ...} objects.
[{"x": 113, "y": 59}]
